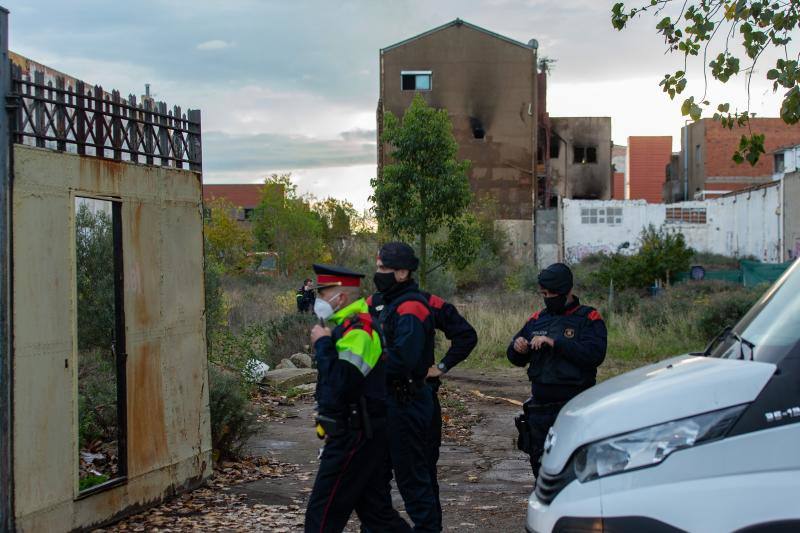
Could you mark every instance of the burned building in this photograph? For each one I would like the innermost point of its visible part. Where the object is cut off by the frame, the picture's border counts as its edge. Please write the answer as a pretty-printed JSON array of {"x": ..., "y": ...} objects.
[
  {"x": 487, "y": 83},
  {"x": 494, "y": 89}
]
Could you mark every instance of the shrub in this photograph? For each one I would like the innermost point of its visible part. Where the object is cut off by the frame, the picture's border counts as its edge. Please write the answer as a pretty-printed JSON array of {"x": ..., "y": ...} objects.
[
  {"x": 442, "y": 283},
  {"x": 725, "y": 309},
  {"x": 215, "y": 307},
  {"x": 97, "y": 397},
  {"x": 662, "y": 255},
  {"x": 232, "y": 419},
  {"x": 269, "y": 342}
]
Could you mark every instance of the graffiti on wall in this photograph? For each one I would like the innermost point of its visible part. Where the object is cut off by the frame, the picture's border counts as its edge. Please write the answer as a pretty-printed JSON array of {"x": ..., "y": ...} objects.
[{"x": 576, "y": 254}]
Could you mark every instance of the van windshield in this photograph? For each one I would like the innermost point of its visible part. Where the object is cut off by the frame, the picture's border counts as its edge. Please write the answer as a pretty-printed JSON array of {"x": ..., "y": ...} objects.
[{"x": 771, "y": 329}]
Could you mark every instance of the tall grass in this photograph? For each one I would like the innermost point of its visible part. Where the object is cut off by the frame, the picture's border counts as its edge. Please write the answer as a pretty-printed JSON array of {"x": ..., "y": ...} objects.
[{"x": 641, "y": 329}]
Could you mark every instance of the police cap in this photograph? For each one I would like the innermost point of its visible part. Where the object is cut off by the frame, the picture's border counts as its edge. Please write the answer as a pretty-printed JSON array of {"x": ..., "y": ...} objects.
[
  {"x": 556, "y": 278},
  {"x": 336, "y": 276},
  {"x": 398, "y": 255}
]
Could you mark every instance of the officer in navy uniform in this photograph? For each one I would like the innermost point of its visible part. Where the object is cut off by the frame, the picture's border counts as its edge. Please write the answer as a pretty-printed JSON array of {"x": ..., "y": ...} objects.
[
  {"x": 408, "y": 333},
  {"x": 463, "y": 339},
  {"x": 563, "y": 345},
  {"x": 351, "y": 404}
]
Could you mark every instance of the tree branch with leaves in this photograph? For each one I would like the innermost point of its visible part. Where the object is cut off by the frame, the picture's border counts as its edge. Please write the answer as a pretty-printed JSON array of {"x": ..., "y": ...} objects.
[{"x": 757, "y": 26}]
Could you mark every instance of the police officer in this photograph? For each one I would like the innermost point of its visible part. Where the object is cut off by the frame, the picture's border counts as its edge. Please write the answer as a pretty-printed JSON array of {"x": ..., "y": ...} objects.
[
  {"x": 563, "y": 345},
  {"x": 351, "y": 401},
  {"x": 305, "y": 297},
  {"x": 463, "y": 339},
  {"x": 407, "y": 325}
]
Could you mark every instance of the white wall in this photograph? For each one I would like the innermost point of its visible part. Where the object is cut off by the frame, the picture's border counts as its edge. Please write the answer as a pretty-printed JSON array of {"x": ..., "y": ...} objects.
[{"x": 747, "y": 224}]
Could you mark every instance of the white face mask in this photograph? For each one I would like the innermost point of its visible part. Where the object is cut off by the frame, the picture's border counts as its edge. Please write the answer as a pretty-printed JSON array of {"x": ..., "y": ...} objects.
[{"x": 323, "y": 309}]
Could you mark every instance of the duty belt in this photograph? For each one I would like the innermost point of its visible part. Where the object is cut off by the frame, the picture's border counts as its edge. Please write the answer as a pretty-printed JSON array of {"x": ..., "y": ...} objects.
[
  {"x": 405, "y": 390},
  {"x": 357, "y": 419}
]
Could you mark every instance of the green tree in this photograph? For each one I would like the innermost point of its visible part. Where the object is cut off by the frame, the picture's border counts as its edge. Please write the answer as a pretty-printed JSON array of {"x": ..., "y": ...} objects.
[
  {"x": 284, "y": 222},
  {"x": 424, "y": 187},
  {"x": 95, "y": 277},
  {"x": 756, "y": 25},
  {"x": 227, "y": 241}
]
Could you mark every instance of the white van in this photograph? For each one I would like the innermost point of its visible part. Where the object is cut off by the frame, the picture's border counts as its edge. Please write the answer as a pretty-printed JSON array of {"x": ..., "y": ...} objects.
[{"x": 701, "y": 442}]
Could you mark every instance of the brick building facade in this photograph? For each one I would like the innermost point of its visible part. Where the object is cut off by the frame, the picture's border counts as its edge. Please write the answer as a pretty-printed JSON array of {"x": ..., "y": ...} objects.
[
  {"x": 646, "y": 162},
  {"x": 707, "y": 169}
]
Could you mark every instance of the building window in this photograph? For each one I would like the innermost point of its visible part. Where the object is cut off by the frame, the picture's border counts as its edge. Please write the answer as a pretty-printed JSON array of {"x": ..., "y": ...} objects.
[
  {"x": 248, "y": 213},
  {"x": 697, "y": 153},
  {"x": 610, "y": 216},
  {"x": 555, "y": 146},
  {"x": 686, "y": 215},
  {"x": 780, "y": 165},
  {"x": 416, "y": 80},
  {"x": 477, "y": 128},
  {"x": 584, "y": 154}
]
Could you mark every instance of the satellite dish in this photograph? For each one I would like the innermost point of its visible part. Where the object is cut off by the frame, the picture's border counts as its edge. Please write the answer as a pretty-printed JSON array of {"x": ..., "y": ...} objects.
[{"x": 697, "y": 273}]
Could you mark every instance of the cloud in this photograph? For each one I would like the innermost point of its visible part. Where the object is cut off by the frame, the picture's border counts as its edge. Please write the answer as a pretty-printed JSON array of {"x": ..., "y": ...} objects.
[
  {"x": 215, "y": 44},
  {"x": 231, "y": 152},
  {"x": 360, "y": 135}
]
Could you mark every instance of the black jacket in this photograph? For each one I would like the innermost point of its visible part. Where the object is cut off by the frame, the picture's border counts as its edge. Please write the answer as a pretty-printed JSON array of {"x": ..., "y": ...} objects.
[
  {"x": 406, "y": 323},
  {"x": 558, "y": 374},
  {"x": 448, "y": 320}
]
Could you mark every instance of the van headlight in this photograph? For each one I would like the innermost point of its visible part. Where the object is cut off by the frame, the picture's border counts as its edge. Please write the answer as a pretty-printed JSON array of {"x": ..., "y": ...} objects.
[{"x": 649, "y": 446}]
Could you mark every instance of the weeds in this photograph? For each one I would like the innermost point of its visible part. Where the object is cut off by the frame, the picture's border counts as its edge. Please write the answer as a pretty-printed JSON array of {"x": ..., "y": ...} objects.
[{"x": 641, "y": 329}]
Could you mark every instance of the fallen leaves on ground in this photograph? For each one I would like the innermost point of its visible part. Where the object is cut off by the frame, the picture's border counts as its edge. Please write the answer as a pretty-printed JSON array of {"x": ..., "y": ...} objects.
[
  {"x": 213, "y": 508},
  {"x": 457, "y": 417}
]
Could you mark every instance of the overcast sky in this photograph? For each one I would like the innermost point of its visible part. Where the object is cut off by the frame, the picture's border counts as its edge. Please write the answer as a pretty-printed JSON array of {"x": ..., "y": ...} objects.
[{"x": 292, "y": 85}]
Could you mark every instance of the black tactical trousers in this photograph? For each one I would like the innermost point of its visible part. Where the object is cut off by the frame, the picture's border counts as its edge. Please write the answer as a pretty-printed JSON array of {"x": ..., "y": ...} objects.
[
  {"x": 354, "y": 475},
  {"x": 533, "y": 425},
  {"x": 409, "y": 428},
  {"x": 434, "y": 443}
]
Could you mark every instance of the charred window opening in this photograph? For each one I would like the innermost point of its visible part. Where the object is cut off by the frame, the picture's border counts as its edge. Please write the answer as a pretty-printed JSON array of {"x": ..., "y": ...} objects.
[
  {"x": 100, "y": 345},
  {"x": 477, "y": 128},
  {"x": 555, "y": 147},
  {"x": 584, "y": 154},
  {"x": 416, "y": 80}
]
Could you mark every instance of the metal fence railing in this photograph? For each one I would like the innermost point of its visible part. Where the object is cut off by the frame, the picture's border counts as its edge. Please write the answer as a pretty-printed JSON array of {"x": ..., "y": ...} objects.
[{"x": 71, "y": 116}]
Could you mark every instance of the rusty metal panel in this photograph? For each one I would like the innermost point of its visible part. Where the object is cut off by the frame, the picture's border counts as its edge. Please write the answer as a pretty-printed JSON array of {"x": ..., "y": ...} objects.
[{"x": 168, "y": 423}]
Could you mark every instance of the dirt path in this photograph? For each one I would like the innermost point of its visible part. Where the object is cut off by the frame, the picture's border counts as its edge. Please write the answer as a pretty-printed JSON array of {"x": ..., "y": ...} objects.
[{"x": 484, "y": 481}]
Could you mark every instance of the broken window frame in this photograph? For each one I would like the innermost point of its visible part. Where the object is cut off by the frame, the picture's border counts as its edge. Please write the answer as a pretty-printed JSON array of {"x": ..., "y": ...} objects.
[
  {"x": 415, "y": 75},
  {"x": 118, "y": 349},
  {"x": 584, "y": 155}
]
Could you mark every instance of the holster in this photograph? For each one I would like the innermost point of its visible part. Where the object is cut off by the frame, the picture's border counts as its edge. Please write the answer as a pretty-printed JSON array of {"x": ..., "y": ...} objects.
[
  {"x": 357, "y": 420},
  {"x": 531, "y": 437},
  {"x": 330, "y": 426},
  {"x": 524, "y": 437}
]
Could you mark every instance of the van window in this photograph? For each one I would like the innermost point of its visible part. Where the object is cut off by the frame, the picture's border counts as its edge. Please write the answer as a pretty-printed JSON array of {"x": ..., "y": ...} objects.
[{"x": 772, "y": 325}]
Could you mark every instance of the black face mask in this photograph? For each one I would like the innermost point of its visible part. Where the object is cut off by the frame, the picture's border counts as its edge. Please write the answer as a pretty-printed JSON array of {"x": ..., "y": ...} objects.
[
  {"x": 384, "y": 281},
  {"x": 556, "y": 304}
]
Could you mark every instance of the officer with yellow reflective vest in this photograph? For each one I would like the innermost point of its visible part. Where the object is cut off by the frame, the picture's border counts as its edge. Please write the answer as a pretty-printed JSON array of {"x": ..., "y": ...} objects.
[{"x": 351, "y": 404}]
